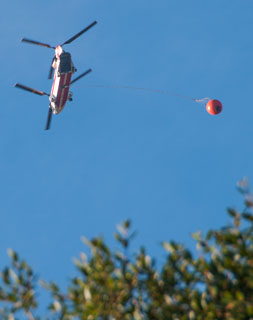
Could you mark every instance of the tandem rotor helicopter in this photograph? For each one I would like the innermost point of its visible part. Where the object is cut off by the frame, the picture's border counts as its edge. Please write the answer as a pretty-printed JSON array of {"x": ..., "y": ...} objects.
[{"x": 64, "y": 68}]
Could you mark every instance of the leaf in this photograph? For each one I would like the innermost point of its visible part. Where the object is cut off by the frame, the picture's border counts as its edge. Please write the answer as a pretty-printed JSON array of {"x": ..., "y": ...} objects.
[
  {"x": 86, "y": 241},
  {"x": 248, "y": 216},
  {"x": 243, "y": 185},
  {"x": 167, "y": 246},
  {"x": 232, "y": 212},
  {"x": 197, "y": 236},
  {"x": 12, "y": 254},
  {"x": 57, "y": 306}
]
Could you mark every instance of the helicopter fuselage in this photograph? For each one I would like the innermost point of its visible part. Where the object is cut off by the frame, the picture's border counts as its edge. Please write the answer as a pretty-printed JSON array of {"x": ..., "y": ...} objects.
[{"x": 64, "y": 68}]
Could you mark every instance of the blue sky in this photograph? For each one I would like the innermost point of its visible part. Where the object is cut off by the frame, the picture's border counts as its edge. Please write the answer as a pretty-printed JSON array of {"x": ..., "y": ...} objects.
[{"x": 114, "y": 154}]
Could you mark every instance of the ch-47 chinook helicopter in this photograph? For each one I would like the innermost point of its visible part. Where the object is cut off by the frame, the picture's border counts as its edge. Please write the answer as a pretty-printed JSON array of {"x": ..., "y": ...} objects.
[{"x": 64, "y": 68}]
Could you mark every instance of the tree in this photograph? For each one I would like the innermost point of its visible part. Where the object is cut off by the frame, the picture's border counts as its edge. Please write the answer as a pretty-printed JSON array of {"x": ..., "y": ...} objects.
[{"x": 217, "y": 284}]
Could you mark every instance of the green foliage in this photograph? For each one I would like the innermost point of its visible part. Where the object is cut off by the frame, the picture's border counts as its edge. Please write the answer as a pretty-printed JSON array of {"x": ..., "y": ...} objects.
[{"x": 217, "y": 284}]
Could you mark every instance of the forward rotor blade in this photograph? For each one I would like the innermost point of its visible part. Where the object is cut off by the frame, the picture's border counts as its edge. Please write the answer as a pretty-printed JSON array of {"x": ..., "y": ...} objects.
[
  {"x": 80, "y": 33},
  {"x": 50, "y": 73},
  {"x": 37, "y": 43},
  {"x": 81, "y": 75},
  {"x": 51, "y": 69},
  {"x": 49, "y": 117},
  {"x": 40, "y": 93}
]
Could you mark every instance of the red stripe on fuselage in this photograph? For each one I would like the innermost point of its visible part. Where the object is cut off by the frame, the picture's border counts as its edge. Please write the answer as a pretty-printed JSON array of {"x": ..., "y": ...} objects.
[
  {"x": 63, "y": 89},
  {"x": 66, "y": 89},
  {"x": 59, "y": 91},
  {"x": 52, "y": 90}
]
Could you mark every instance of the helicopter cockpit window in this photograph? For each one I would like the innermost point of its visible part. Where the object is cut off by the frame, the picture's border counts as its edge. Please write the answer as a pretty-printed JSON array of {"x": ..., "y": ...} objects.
[{"x": 65, "y": 63}]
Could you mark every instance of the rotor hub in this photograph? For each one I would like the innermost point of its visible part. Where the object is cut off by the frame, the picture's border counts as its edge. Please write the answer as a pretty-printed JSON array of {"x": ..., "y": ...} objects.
[{"x": 58, "y": 51}]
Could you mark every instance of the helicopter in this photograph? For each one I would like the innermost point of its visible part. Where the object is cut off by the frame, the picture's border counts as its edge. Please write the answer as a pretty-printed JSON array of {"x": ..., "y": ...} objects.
[{"x": 64, "y": 68}]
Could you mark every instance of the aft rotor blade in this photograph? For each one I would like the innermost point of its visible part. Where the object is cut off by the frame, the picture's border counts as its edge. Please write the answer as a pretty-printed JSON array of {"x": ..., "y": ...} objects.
[
  {"x": 81, "y": 75},
  {"x": 80, "y": 33},
  {"x": 40, "y": 93},
  {"x": 49, "y": 117},
  {"x": 37, "y": 43}
]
